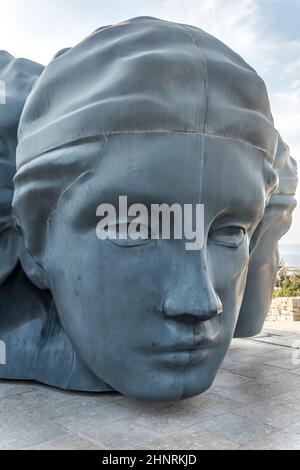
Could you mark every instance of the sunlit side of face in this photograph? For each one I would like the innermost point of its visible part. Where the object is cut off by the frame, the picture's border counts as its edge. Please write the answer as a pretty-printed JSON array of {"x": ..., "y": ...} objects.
[{"x": 145, "y": 318}]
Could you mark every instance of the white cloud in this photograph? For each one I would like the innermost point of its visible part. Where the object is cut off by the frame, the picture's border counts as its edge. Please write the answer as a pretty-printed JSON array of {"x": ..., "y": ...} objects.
[
  {"x": 286, "y": 109},
  {"x": 232, "y": 21}
]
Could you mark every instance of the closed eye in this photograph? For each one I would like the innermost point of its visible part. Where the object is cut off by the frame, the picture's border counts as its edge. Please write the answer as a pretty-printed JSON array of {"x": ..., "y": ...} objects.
[
  {"x": 230, "y": 236},
  {"x": 128, "y": 234}
]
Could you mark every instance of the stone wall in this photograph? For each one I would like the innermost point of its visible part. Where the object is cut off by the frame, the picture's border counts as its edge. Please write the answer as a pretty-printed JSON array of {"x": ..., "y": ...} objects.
[{"x": 285, "y": 308}]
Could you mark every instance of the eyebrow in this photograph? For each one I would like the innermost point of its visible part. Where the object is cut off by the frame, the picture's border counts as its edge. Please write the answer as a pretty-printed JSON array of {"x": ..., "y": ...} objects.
[{"x": 251, "y": 214}]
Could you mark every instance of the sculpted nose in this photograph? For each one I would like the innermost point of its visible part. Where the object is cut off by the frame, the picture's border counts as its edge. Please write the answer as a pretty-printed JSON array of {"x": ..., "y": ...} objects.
[{"x": 192, "y": 297}]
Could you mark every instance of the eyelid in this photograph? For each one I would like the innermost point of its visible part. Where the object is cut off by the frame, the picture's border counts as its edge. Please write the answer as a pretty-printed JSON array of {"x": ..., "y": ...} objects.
[
  {"x": 127, "y": 243},
  {"x": 229, "y": 235},
  {"x": 130, "y": 242}
]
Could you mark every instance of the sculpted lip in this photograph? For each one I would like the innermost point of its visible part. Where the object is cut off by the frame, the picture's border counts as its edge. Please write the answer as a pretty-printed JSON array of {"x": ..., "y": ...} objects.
[
  {"x": 194, "y": 346},
  {"x": 183, "y": 354},
  {"x": 181, "y": 343},
  {"x": 190, "y": 347}
]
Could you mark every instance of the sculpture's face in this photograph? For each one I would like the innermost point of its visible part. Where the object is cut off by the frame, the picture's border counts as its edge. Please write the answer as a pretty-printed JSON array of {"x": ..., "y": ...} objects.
[{"x": 144, "y": 318}]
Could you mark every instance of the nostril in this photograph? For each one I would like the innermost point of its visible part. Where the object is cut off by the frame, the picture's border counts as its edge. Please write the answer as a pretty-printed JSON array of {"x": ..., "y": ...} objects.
[
  {"x": 186, "y": 318},
  {"x": 191, "y": 315},
  {"x": 219, "y": 305},
  {"x": 192, "y": 318},
  {"x": 191, "y": 310}
]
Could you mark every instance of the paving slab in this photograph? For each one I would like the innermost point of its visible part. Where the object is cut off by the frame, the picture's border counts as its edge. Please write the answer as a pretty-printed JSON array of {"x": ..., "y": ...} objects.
[{"x": 239, "y": 429}]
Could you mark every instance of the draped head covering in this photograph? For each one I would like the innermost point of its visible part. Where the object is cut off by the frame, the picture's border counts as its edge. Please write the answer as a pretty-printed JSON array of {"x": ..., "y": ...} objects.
[
  {"x": 286, "y": 167},
  {"x": 16, "y": 79},
  {"x": 146, "y": 75}
]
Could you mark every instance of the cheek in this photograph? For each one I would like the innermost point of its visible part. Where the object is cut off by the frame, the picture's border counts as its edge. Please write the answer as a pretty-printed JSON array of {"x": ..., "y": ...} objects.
[
  {"x": 104, "y": 278},
  {"x": 228, "y": 268},
  {"x": 132, "y": 272}
]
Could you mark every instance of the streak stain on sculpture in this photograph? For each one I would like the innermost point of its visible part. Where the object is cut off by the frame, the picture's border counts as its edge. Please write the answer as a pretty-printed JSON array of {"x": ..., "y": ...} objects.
[{"x": 163, "y": 114}]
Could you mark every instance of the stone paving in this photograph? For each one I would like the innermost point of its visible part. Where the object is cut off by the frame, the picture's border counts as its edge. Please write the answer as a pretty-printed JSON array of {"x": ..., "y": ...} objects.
[{"x": 253, "y": 404}]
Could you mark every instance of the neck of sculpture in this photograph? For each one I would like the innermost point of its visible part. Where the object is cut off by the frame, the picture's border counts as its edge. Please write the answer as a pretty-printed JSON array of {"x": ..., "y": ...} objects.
[{"x": 36, "y": 346}]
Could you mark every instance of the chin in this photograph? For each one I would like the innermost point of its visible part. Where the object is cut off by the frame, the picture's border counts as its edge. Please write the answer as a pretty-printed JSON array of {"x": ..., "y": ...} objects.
[{"x": 189, "y": 383}]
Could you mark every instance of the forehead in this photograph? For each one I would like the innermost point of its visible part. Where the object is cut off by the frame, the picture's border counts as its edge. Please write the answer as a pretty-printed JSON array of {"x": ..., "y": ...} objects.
[
  {"x": 182, "y": 168},
  {"x": 224, "y": 175}
]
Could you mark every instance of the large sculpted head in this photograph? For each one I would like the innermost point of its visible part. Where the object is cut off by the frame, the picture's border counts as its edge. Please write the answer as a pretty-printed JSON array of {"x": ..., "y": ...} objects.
[{"x": 161, "y": 113}]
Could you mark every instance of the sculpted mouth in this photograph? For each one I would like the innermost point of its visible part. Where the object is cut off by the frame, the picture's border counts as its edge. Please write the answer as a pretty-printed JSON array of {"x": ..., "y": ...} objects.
[
  {"x": 185, "y": 346},
  {"x": 184, "y": 341},
  {"x": 183, "y": 354},
  {"x": 190, "y": 347},
  {"x": 206, "y": 337}
]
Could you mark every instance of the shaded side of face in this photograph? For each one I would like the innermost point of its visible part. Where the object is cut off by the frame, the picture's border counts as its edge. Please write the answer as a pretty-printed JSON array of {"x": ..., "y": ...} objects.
[
  {"x": 263, "y": 266},
  {"x": 144, "y": 317},
  {"x": 264, "y": 256}
]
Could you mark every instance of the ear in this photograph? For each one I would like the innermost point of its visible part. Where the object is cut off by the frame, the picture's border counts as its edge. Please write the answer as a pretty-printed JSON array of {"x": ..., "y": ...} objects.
[
  {"x": 34, "y": 271},
  {"x": 12, "y": 250}
]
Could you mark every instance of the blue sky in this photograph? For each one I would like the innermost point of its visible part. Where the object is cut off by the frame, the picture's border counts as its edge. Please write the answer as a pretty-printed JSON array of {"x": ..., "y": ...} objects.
[{"x": 265, "y": 32}]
